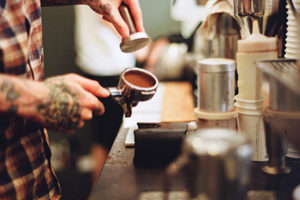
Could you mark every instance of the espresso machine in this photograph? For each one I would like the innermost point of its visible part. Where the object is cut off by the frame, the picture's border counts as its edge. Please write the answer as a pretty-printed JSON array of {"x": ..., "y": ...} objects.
[
  {"x": 282, "y": 110},
  {"x": 282, "y": 116},
  {"x": 280, "y": 107}
]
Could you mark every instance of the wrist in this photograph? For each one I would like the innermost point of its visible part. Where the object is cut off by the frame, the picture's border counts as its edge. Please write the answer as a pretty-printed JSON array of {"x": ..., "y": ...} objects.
[
  {"x": 88, "y": 2},
  {"x": 34, "y": 93}
]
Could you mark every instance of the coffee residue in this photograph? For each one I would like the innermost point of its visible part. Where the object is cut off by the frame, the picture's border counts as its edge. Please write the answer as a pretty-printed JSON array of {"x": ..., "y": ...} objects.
[{"x": 139, "y": 79}]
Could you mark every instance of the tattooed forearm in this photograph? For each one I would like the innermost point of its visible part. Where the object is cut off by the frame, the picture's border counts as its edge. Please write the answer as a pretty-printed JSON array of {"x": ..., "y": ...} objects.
[
  {"x": 61, "y": 2},
  {"x": 62, "y": 109},
  {"x": 106, "y": 8},
  {"x": 7, "y": 89},
  {"x": 102, "y": 8}
]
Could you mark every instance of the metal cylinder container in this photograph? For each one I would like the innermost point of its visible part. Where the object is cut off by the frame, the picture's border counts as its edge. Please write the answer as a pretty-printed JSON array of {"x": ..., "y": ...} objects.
[
  {"x": 249, "y": 7},
  {"x": 218, "y": 167},
  {"x": 281, "y": 97},
  {"x": 216, "y": 84}
]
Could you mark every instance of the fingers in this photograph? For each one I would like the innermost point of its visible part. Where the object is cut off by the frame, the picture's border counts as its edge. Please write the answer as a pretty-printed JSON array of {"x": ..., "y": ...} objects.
[
  {"x": 89, "y": 85},
  {"x": 110, "y": 12},
  {"x": 71, "y": 101},
  {"x": 72, "y": 131},
  {"x": 136, "y": 13},
  {"x": 91, "y": 102},
  {"x": 81, "y": 124},
  {"x": 118, "y": 22},
  {"x": 90, "y": 89},
  {"x": 86, "y": 114}
]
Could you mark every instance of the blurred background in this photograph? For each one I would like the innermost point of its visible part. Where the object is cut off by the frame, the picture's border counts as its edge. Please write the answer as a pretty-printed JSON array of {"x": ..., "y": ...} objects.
[{"x": 71, "y": 154}]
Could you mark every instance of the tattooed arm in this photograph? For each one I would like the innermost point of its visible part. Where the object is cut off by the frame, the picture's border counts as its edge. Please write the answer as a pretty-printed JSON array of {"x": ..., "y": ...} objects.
[
  {"x": 110, "y": 11},
  {"x": 61, "y": 103},
  {"x": 62, "y": 2}
]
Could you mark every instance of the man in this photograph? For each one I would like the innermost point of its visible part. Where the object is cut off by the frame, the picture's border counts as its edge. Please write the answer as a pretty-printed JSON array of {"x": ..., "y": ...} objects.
[
  {"x": 99, "y": 57},
  {"x": 28, "y": 104}
]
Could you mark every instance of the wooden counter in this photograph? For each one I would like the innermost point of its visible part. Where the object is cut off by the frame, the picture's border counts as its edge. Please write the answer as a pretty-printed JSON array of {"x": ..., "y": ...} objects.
[{"x": 177, "y": 104}]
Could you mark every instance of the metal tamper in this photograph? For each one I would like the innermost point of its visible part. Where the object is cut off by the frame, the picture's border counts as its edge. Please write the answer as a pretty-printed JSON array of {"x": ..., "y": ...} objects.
[{"x": 136, "y": 40}]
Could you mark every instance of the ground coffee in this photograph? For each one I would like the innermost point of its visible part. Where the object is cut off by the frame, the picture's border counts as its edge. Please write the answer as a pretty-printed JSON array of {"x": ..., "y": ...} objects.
[{"x": 139, "y": 79}]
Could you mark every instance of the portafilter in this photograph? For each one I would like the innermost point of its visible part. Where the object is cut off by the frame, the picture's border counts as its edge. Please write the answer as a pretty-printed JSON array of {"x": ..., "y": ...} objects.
[{"x": 135, "y": 84}]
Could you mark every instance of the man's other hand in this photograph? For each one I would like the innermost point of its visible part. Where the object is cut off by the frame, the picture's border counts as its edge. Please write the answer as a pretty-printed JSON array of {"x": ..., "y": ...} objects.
[{"x": 110, "y": 11}]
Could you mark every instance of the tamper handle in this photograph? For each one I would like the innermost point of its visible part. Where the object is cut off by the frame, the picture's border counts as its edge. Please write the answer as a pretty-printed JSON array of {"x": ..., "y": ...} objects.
[{"x": 126, "y": 15}]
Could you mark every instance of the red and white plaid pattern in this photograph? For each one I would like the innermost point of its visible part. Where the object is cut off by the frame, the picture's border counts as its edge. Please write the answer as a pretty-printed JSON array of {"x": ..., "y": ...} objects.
[{"x": 25, "y": 169}]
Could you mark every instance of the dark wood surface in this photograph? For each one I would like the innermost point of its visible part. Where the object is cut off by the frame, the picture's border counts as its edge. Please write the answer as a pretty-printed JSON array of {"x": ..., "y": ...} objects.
[{"x": 120, "y": 179}]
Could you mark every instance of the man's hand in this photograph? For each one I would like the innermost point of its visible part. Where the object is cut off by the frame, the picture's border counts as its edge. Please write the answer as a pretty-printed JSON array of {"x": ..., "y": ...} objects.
[
  {"x": 71, "y": 101},
  {"x": 110, "y": 11},
  {"x": 60, "y": 103}
]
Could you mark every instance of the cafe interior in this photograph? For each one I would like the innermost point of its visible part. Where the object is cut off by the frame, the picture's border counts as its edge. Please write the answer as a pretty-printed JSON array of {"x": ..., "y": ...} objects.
[{"x": 211, "y": 104}]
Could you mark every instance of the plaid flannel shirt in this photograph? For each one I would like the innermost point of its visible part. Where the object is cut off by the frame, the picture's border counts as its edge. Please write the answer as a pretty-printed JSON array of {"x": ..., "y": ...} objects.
[{"x": 25, "y": 169}]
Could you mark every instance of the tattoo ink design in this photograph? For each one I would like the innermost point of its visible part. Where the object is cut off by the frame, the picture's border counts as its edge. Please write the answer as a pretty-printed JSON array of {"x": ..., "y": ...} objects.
[
  {"x": 60, "y": 2},
  {"x": 62, "y": 110},
  {"x": 11, "y": 95},
  {"x": 106, "y": 9},
  {"x": 13, "y": 109},
  {"x": 8, "y": 89}
]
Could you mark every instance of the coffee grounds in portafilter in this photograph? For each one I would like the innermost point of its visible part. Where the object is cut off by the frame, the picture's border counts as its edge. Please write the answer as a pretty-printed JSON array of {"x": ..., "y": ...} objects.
[{"x": 139, "y": 79}]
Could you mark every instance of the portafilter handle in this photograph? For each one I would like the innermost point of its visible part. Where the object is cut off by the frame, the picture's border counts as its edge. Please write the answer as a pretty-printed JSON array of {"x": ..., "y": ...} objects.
[
  {"x": 129, "y": 92},
  {"x": 117, "y": 95},
  {"x": 115, "y": 92}
]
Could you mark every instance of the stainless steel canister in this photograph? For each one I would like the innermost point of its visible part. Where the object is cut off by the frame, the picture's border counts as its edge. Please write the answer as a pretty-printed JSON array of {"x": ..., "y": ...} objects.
[
  {"x": 253, "y": 8},
  {"x": 282, "y": 98},
  {"x": 217, "y": 163},
  {"x": 228, "y": 36},
  {"x": 216, "y": 84}
]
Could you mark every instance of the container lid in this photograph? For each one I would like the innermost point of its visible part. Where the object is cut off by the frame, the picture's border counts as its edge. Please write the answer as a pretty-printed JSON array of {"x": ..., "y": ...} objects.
[
  {"x": 257, "y": 43},
  {"x": 214, "y": 142},
  {"x": 216, "y": 65},
  {"x": 199, "y": 114}
]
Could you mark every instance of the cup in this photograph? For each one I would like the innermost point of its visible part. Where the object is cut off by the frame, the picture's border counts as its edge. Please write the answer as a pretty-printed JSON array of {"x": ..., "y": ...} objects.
[
  {"x": 250, "y": 122},
  {"x": 217, "y": 163}
]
